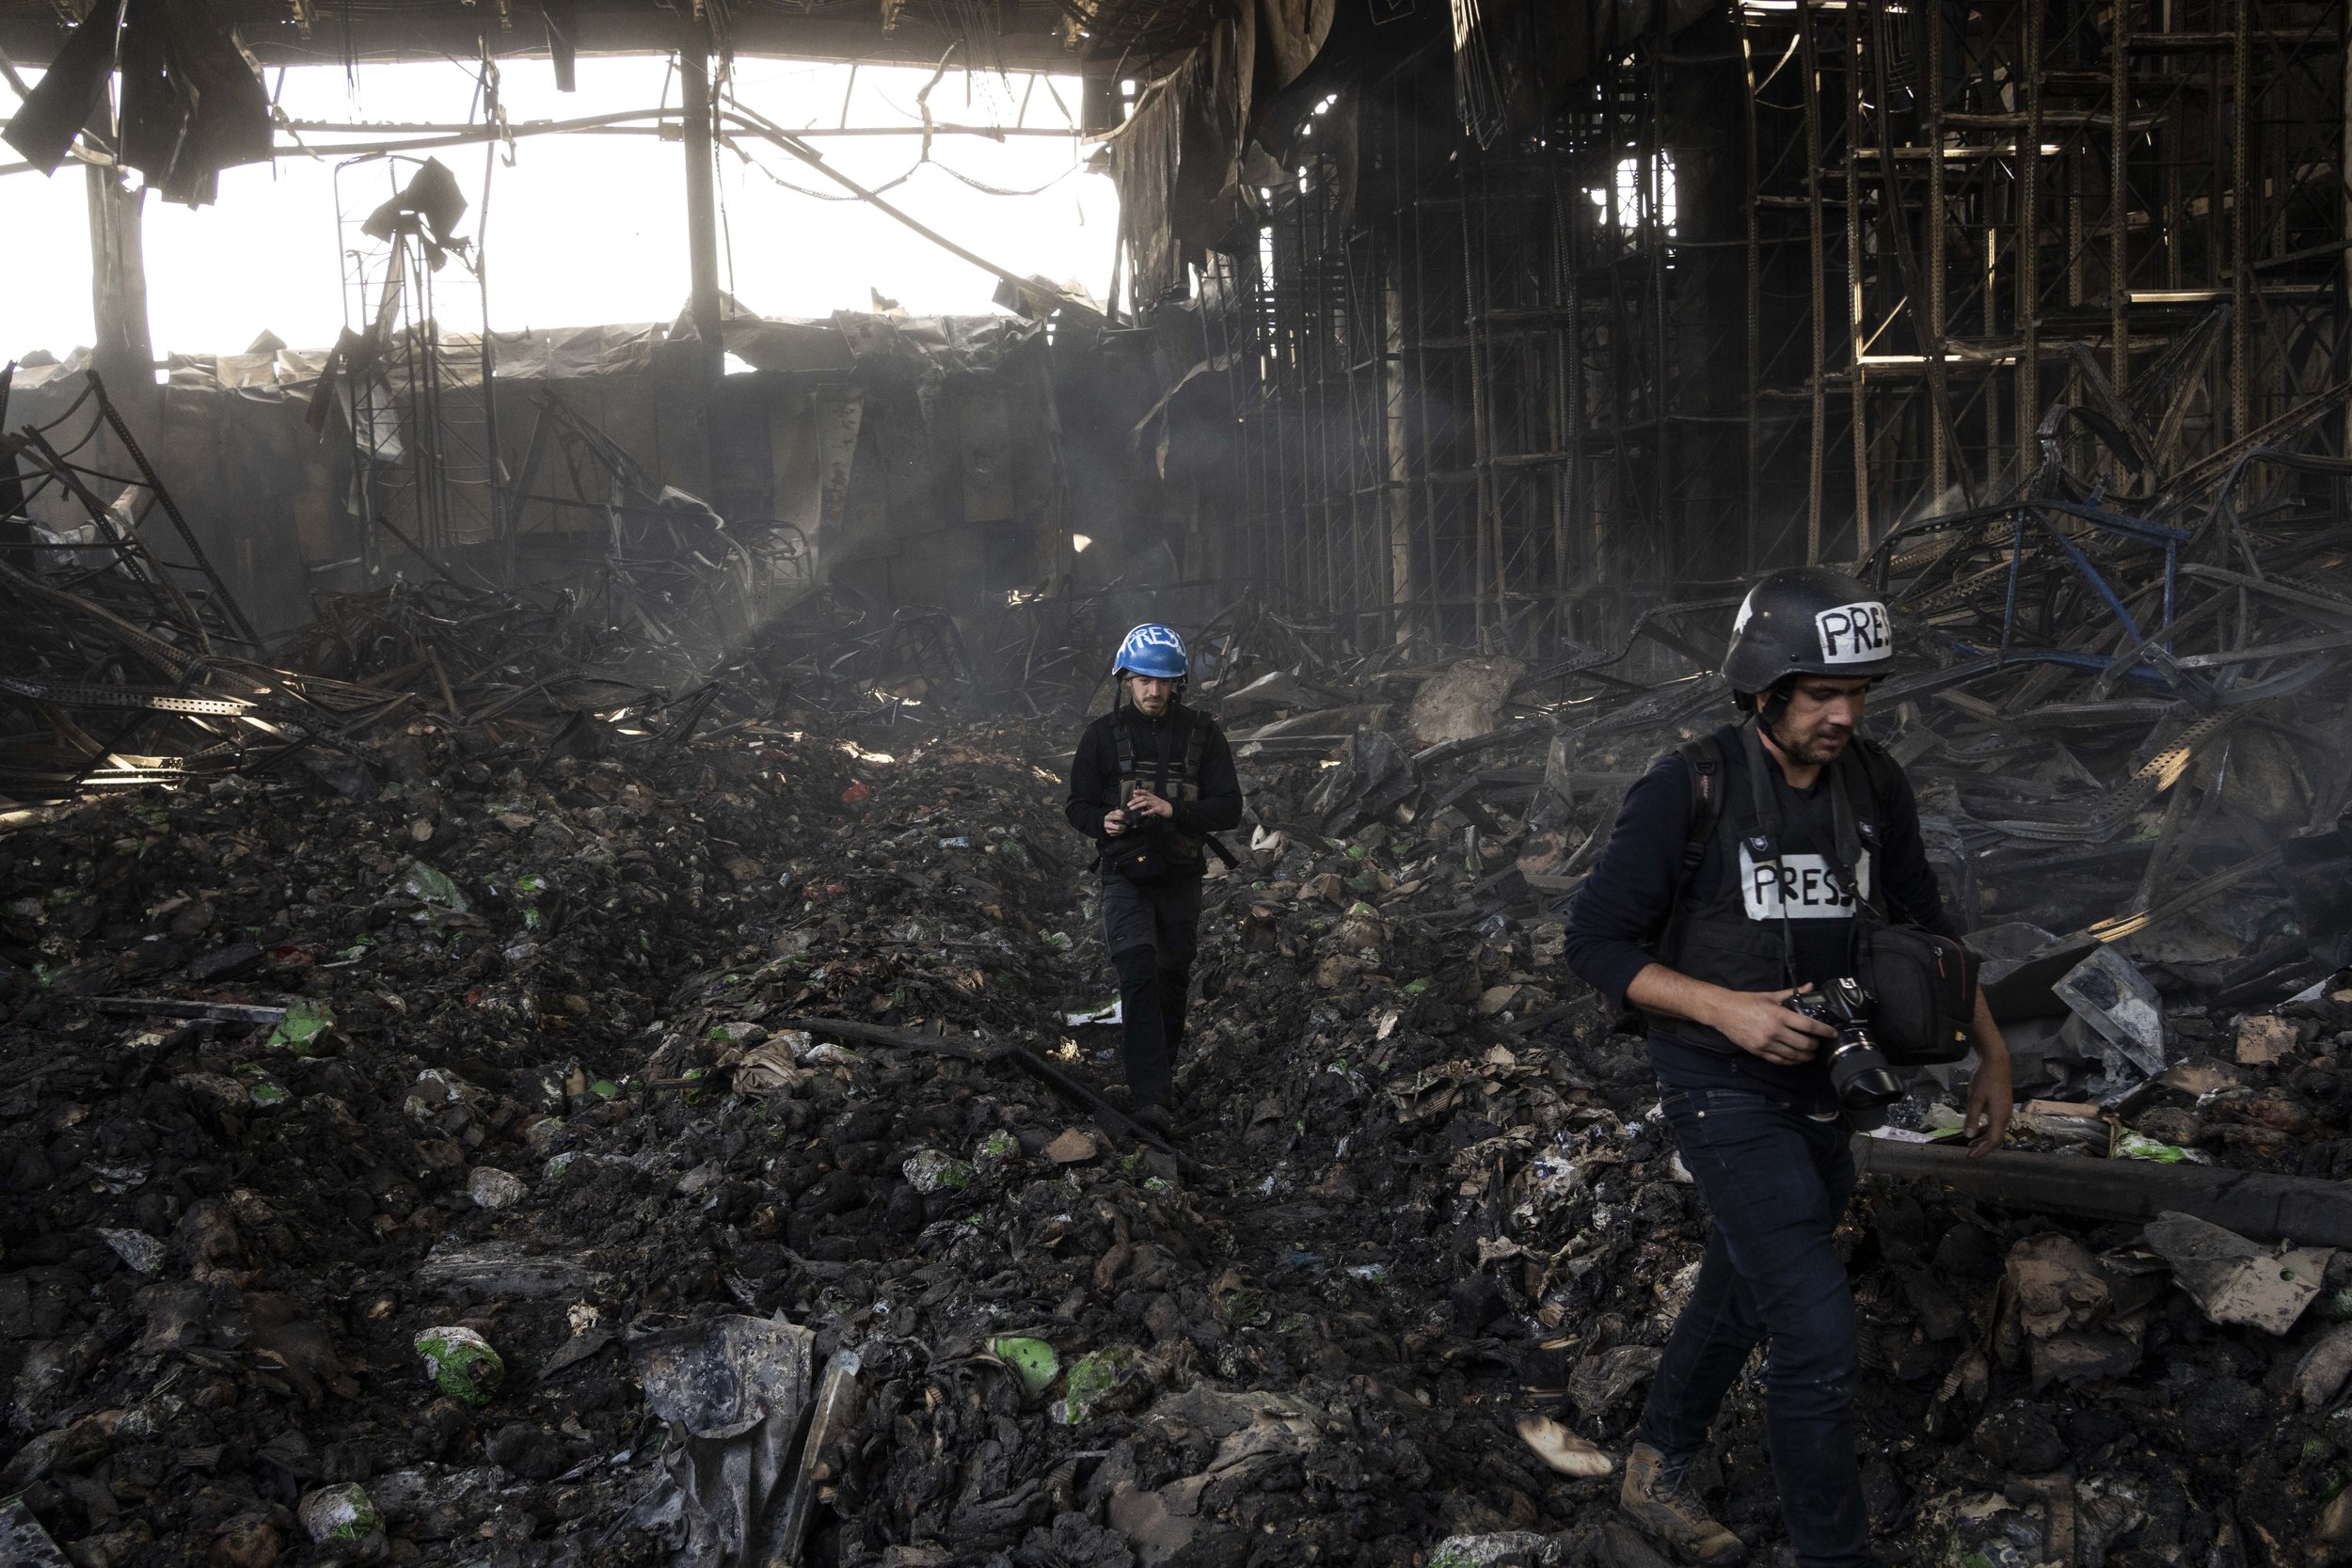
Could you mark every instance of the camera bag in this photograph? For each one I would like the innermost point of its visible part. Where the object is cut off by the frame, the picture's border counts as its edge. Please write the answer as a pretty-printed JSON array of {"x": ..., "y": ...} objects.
[
  {"x": 1926, "y": 987},
  {"x": 1925, "y": 984}
]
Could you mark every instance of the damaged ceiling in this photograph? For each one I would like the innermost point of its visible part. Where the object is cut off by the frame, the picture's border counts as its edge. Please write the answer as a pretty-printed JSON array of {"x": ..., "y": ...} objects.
[{"x": 1018, "y": 35}]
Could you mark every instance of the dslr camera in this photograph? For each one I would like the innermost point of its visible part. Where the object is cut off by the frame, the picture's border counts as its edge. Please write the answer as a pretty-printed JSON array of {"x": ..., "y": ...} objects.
[{"x": 1858, "y": 1070}]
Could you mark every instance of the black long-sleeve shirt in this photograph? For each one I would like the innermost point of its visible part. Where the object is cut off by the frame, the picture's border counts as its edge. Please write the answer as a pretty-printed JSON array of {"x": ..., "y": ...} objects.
[
  {"x": 1159, "y": 751},
  {"x": 1616, "y": 917}
]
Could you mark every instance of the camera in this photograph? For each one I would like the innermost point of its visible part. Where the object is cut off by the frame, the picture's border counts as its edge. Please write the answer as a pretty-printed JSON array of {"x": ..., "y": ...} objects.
[{"x": 1858, "y": 1070}]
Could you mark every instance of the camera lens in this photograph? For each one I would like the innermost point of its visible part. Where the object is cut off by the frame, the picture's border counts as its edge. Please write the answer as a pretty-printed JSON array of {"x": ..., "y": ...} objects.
[{"x": 1861, "y": 1075}]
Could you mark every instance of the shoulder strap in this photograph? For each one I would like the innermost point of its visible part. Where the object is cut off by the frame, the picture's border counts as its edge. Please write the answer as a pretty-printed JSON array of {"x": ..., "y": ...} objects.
[
  {"x": 1196, "y": 746},
  {"x": 1881, "y": 771},
  {"x": 1126, "y": 743},
  {"x": 1851, "y": 837},
  {"x": 1705, "y": 760},
  {"x": 1765, "y": 842},
  {"x": 1879, "y": 775}
]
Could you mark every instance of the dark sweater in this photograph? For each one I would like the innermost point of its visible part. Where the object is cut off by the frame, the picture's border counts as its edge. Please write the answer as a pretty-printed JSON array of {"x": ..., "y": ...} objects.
[{"x": 1159, "y": 751}]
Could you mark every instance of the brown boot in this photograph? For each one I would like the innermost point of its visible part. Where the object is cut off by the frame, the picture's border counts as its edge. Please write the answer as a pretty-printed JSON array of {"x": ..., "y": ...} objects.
[{"x": 1662, "y": 1495}]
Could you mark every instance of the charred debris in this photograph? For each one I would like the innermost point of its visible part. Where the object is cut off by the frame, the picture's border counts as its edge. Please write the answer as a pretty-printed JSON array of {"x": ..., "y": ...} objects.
[{"x": 520, "y": 1076}]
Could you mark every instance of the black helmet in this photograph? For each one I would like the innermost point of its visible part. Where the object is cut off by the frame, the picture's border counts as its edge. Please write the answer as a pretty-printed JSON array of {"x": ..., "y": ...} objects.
[{"x": 1809, "y": 621}]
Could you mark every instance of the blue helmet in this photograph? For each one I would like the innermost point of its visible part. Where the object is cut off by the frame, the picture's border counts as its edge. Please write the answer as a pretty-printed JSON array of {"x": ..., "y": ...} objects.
[{"x": 1152, "y": 649}]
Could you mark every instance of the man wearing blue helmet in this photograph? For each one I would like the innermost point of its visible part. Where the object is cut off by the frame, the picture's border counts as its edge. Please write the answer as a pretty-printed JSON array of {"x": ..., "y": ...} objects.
[{"x": 1152, "y": 780}]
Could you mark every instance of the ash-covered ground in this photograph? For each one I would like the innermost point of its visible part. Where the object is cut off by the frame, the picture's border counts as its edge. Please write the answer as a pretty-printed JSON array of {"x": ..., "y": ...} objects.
[{"x": 544, "y": 1072}]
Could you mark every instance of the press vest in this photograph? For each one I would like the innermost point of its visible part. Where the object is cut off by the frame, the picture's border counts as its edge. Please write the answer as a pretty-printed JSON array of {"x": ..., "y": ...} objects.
[
  {"x": 1178, "y": 778},
  {"x": 1770, "y": 906}
]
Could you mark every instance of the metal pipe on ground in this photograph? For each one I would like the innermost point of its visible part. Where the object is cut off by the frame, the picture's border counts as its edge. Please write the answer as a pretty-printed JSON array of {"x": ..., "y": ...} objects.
[{"x": 2266, "y": 1208}]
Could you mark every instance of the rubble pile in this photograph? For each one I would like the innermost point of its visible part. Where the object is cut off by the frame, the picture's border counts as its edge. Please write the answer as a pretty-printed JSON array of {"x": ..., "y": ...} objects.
[
  {"x": 309, "y": 1039},
  {"x": 1515, "y": 1181},
  {"x": 414, "y": 1144},
  {"x": 598, "y": 1110}
]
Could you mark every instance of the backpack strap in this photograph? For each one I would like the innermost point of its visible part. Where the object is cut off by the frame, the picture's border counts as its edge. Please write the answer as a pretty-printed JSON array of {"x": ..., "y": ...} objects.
[
  {"x": 1703, "y": 758},
  {"x": 1880, "y": 776},
  {"x": 1196, "y": 748},
  {"x": 1125, "y": 743},
  {"x": 1881, "y": 771}
]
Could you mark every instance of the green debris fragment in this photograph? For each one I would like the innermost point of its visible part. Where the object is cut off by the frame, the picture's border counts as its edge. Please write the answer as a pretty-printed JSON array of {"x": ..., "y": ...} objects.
[
  {"x": 1414, "y": 987},
  {"x": 461, "y": 1364},
  {"x": 343, "y": 1512},
  {"x": 1090, "y": 1378},
  {"x": 605, "y": 1088},
  {"x": 1032, "y": 1360},
  {"x": 1000, "y": 1144},
  {"x": 433, "y": 889},
  {"x": 267, "y": 1093},
  {"x": 531, "y": 885},
  {"x": 304, "y": 1029},
  {"x": 2138, "y": 1145},
  {"x": 928, "y": 1171}
]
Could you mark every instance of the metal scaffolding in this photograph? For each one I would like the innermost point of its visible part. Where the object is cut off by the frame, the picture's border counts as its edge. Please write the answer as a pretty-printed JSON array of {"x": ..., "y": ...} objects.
[
  {"x": 1755, "y": 294},
  {"x": 423, "y": 426}
]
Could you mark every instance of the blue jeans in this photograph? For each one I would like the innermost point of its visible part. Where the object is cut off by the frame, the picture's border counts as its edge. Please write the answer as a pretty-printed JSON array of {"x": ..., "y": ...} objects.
[{"x": 1775, "y": 1181}]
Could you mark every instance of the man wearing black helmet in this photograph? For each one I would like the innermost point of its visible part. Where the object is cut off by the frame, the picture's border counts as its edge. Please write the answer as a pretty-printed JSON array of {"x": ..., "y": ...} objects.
[{"x": 1743, "y": 868}]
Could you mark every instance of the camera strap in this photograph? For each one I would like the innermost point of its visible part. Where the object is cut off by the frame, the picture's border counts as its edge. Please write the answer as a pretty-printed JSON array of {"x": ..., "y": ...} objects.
[{"x": 1764, "y": 843}]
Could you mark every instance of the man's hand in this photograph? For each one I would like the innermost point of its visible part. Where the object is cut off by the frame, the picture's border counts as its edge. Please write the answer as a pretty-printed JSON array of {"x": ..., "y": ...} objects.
[
  {"x": 1754, "y": 1020},
  {"x": 1757, "y": 1024},
  {"x": 1990, "y": 1095},
  {"x": 1144, "y": 803},
  {"x": 1114, "y": 822}
]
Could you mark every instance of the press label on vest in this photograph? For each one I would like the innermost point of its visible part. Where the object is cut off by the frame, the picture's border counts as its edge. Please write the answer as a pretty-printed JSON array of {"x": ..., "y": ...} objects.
[
  {"x": 1854, "y": 633},
  {"x": 1802, "y": 887}
]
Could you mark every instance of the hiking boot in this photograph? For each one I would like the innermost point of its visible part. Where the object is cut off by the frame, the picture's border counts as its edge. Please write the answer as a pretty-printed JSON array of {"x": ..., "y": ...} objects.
[
  {"x": 1662, "y": 1495},
  {"x": 1156, "y": 1120}
]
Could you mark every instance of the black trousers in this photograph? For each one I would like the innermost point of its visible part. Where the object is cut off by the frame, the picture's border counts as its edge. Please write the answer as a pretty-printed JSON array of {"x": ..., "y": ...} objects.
[
  {"x": 1775, "y": 1181},
  {"x": 1149, "y": 930}
]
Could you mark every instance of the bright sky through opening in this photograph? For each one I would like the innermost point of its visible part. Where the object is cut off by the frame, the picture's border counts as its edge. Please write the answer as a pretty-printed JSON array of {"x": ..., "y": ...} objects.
[{"x": 591, "y": 230}]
